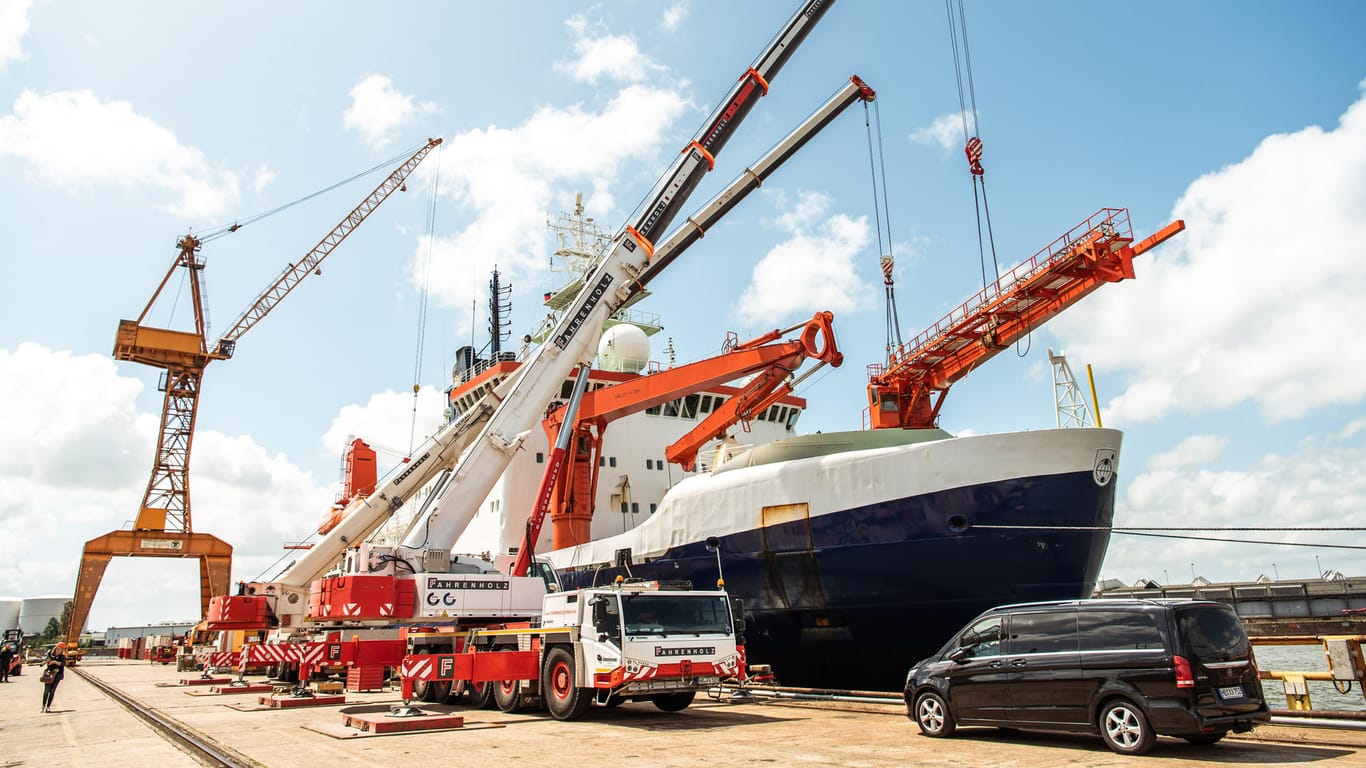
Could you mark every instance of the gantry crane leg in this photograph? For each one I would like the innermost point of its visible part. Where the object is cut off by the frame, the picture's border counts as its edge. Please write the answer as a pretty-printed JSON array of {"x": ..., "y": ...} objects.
[{"x": 214, "y": 554}]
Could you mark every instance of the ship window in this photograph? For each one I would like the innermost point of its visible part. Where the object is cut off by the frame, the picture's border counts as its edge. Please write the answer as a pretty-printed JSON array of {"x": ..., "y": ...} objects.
[
  {"x": 659, "y": 464},
  {"x": 649, "y": 463},
  {"x": 716, "y": 404},
  {"x": 566, "y": 390},
  {"x": 602, "y": 461},
  {"x": 690, "y": 407},
  {"x": 635, "y": 507},
  {"x": 623, "y": 507},
  {"x": 540, "y": 457},
  {"x": 888, "y": 402},
  {"x": 792, "y": 418},
  {"x": 706, "y": 404},
  {"x": 671, "y": 408},
  {"x": 782, "y": 414},
  {"x": 611, "y": 461},
  {"x": 653, "y": 411},
  {"x": 652, "y": 509}
]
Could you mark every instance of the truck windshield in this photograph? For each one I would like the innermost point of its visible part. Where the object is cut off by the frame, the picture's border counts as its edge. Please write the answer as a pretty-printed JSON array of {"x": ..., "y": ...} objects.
[{"x": 657, "y": 614}]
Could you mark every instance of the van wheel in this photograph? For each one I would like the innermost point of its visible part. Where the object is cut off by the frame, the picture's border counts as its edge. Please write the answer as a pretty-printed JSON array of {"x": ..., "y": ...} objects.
[
  {"x": 563, "y": 696},
  {"x": 507, "y": 695},
  {"x": 932, "y": 715},
  {"x": 1205, "y": 739},
  {"x": 673, "y": 702},
  {"x": 1125, "y": 729}
]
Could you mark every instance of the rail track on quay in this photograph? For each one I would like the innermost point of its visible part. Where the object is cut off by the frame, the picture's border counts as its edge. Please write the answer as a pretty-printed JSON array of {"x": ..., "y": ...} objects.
[{"x": 201, "y": 747}]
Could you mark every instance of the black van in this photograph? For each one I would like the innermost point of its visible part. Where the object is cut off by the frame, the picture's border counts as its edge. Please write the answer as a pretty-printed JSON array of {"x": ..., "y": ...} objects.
[{"x": 1126, "y": 669}]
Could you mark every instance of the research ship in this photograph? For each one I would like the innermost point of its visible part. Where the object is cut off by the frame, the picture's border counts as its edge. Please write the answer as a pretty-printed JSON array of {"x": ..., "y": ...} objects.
[{"x": 855, "y": 552}]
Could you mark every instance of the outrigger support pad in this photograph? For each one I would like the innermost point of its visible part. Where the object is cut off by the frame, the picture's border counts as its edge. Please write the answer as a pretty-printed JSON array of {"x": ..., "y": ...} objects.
[{"x": 405, "y": 710}]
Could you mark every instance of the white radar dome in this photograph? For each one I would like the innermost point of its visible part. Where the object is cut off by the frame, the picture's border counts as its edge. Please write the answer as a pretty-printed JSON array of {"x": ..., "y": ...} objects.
[{"x": 624, "y": 349}]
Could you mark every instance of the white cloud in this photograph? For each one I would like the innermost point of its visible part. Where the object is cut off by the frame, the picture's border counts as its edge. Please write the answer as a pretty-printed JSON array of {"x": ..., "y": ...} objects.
[
  {"x": 508, "y": 178},
  {"x": 14, "y": 25},
  {"x": 1253, "y": 302},
  {"x": 73, "y": 140},
  {"x": 813, "y": 269},
  {"x": 264, "y": 176},
  {"x": 1193, "y": 451},
  {"x": 675, "y": 15},
  {"x": 377, "y": 110},
  {"x": 1316, "y": 484},
  {"x": 946, "y": 132},
  {"x": 599, "y": 53},
  {"x": 82, "y": 474},
  {"x": 388, "y": 423}
]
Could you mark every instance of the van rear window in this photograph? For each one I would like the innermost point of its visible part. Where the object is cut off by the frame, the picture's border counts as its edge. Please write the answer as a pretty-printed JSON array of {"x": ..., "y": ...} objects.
[
  {"x": 1118, "y": 631},
  {"x": 1212, "y": 632}
]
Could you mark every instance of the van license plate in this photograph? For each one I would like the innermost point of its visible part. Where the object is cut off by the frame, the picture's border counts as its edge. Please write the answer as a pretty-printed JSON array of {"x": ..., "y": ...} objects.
[{"x": 1231, "y": 692}]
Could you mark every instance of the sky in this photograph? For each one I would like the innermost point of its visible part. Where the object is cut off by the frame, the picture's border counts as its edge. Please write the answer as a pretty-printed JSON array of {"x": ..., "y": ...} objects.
[{"x": 1228, "y": 362}]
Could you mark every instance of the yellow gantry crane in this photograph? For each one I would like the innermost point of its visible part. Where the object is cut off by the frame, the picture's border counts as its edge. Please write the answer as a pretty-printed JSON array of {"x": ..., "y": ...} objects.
[{"x": 162, "y": 527}]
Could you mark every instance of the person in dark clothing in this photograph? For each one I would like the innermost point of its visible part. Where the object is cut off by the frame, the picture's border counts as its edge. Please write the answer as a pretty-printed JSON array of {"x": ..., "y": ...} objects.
[
  {"x": 6, "y": 661},
  {"x": 55, "y": 663}
]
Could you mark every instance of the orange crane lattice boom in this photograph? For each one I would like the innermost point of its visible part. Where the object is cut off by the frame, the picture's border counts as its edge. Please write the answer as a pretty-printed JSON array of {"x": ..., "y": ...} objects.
[{"x": 909, "y": 390}]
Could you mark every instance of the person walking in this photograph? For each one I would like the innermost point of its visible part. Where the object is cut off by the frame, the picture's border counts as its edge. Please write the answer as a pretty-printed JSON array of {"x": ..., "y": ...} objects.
[
  {"x": 54, "y": 669},
  {"x": 6, "y": 660}
]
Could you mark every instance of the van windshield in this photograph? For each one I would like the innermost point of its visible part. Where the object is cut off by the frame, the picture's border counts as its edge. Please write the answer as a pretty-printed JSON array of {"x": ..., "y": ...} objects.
[{"x": 1212, "y": 632}]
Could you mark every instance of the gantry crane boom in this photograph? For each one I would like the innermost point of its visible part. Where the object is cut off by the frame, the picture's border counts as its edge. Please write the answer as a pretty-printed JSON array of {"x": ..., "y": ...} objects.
[
  {"x": 163, "y": 526},
  {"x": 909, "y": 390},
  {"x": 297, "y": 271}
]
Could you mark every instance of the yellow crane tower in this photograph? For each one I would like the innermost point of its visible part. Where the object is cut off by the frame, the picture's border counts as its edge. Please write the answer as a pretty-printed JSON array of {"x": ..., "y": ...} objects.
[{"x": 162, "y": 526}]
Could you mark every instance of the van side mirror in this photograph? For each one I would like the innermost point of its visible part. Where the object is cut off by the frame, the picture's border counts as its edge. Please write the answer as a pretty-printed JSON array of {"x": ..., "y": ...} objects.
[{"x": 960, "y": 655}]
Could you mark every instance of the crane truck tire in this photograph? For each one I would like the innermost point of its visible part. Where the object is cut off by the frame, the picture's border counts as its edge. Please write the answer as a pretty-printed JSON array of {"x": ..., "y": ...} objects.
[
  {"x": 507, "y": 695},
  {"x": 563, "y": 696},
  {"x": 481, "y": 695},
  {"x": 673, "y": 702}
]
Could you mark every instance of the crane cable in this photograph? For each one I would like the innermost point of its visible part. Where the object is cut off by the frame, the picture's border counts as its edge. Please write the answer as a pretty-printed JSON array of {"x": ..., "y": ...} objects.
[
  {"x": 429, "y": 238},
  {"x": 972, "y": 142},
  {"x": 226, "y": 229},
  {"x": 877, "y": 167}
]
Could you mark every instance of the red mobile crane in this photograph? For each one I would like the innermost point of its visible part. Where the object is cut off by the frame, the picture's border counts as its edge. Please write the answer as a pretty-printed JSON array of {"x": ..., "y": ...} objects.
[{"x": 909, "y": 390}]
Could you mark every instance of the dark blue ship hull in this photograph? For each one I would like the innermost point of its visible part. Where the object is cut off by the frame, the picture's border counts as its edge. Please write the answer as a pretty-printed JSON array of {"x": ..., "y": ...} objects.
[{"x": 850, "y": 599}]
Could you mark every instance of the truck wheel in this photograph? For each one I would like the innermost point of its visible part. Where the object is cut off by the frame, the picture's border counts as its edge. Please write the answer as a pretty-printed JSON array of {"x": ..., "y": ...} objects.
[
  {"x": 673, "y": 702},
  {"x": 507, "y": 695},
  {"x": 432, "y": 691},
  {"x": 481, "y": 695},
  {"x": 563, "y": 696}
]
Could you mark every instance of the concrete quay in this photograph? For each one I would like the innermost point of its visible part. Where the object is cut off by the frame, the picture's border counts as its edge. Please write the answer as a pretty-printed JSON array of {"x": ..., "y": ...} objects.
[{"x": 86, "y": 728}]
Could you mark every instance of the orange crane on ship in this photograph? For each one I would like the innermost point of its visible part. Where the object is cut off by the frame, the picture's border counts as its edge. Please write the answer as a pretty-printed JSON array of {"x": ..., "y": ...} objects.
[
  {"x": 162, "y": 527},
  {"x": 909, "y": 390},
  {"x": 567, "y": 493}
]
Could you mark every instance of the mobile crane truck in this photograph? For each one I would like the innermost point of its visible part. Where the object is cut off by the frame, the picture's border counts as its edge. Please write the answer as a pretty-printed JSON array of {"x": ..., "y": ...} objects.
[{"x": 607, "y": 645}]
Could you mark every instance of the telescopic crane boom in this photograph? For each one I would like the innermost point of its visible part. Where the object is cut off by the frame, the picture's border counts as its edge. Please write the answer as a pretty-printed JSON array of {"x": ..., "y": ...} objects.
[
  {"x": 485, "y": 437},
  {"x": 162, "y": 527},
  {"x": 605, "y": 290}
]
